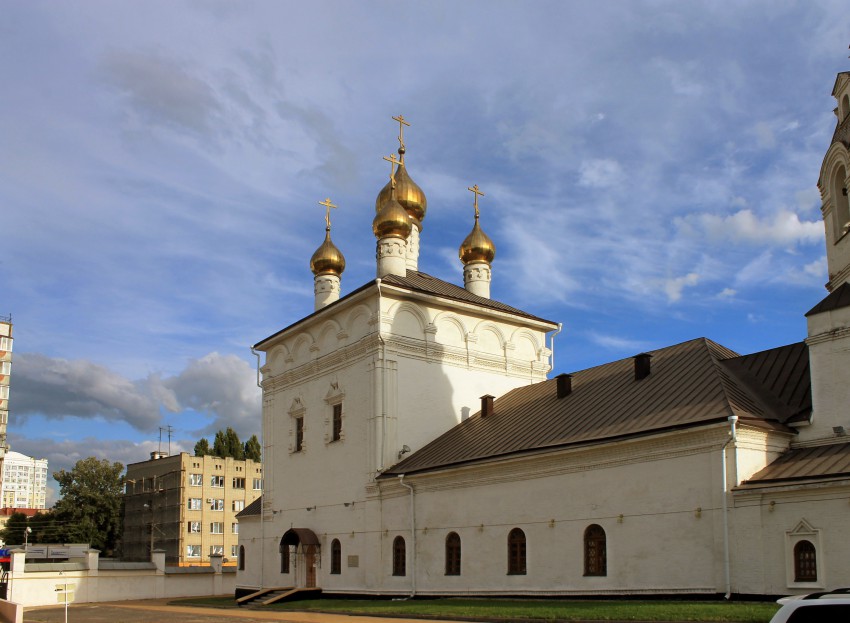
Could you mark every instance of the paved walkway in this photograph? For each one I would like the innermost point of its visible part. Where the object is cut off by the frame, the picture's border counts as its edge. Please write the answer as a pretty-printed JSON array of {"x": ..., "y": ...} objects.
[{"x": 151, "y": 610}]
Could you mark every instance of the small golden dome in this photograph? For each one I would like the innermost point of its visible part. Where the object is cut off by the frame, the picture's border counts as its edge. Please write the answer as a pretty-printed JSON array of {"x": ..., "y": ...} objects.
[
  {"x": 327, "y": 259},
  {"x": 407, "y": 193},
  {"x": 477, "y": 247},
  {"x": 391, "y": 220}
]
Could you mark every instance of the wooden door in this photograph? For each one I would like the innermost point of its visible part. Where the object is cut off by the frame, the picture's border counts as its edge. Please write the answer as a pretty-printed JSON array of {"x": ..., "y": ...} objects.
[{"x": 310, "y": 566}]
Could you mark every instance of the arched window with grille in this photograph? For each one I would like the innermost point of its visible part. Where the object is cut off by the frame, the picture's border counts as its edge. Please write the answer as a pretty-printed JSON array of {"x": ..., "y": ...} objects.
[
  {"x": 336, "y": 557},
  {"x": 452, "y": 554},
  {"x": 805, "y": 562},
  {"x": 399, "y": 556},
  {"x": 595, "y": 551},
  {"x": 516, "y": 552},
  {"x": 241, "y": 557}
]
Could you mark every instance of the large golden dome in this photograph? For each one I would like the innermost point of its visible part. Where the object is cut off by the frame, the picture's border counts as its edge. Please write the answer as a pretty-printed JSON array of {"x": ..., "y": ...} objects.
[
  {"x": 477, "y": 247},
  {"x": 327, "y": 259},
  {"x": 407, "y": 193},
  {"x": 391, "y": 220}
]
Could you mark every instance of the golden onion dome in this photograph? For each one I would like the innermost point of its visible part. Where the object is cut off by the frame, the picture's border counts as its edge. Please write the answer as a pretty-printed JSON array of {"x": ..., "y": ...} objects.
[
  {"x": 477, "y": 247},
  {"x": 391, "y": 220},
  {"x": 327, "y": 259},
  {"x": 407, "y": 193}
]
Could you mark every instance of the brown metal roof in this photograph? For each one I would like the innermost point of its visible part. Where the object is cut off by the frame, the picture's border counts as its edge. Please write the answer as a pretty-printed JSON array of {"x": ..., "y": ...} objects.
[
  {"x": 776, "y": 382},
  {"x": 818, "y": 462},
  {"x": 689, "y": 384},
  {"x": 838, "y": 298},
  {"x": 419, "y": 282},
  {"x": 423, "y": 282},
  {"x": 299, "y": 536},
  {"x": 254, "y": 508}
]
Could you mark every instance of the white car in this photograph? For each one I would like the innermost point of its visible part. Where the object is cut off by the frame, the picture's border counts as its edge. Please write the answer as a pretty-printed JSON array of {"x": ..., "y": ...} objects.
[{"x": 827, "y": 607}]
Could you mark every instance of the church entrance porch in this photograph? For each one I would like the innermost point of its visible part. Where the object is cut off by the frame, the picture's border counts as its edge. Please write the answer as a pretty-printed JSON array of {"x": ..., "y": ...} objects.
[{"x": 302, "y": 550}]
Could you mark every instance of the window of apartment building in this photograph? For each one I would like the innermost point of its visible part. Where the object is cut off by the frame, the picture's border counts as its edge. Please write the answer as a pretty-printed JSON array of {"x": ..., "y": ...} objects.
[
  {"x": 452, "y": 554},
  {"x": 6, "y": 344},
  {"x": 216, "y": 550},
  {"x": 299, "y": 434},
  {"x": 234, "y": 549},
  {"x": 336, "y": 557},
  {"x": 258, "y": 484},
  {"x": 217, "y": 481},
  {"x": 516, "y": 552},
  {"x": 196, "y": 480},
  {"x": 195, "y": 504},
  {"x": 234, "y": 528},
  {"x": 194, "y": 527},
  {"x": 193, "y": 551},
  {"x": 399, "y": 556},
  {"x": 217, "y": 505},
  {"x": 238, "y": 483},
  {"x": 238, "y": 505},
  {"x": 5, "y": 367},
  {"x": 4, "y": 392},
  {"x": 595, "y": 551},
  {"x": 217, "y": 527},
  {"x": 336, "y": 433}
]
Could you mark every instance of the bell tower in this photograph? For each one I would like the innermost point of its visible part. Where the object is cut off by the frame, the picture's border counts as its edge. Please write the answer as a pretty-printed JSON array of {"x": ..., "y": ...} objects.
[{"x": 833, "y": 183}]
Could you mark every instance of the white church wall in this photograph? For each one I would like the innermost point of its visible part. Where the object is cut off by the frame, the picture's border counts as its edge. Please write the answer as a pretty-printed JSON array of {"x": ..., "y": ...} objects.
[
  {"x": 829, "y": 343},
  {"x": 768, "y": 522},
  {"x": 655, "y": 499}
]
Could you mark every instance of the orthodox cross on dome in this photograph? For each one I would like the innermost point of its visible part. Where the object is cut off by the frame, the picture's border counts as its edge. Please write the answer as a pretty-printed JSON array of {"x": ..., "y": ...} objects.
[
  {"x": 401, "y": 123},
  {"x": 328, "y": 205},
  {"x": 393, "y": 162},
  {"x": 476, "y": 191}
]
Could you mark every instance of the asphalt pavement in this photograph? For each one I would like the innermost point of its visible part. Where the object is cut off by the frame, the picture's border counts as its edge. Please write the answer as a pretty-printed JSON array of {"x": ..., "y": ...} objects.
[{"x": 154, "y": 610}]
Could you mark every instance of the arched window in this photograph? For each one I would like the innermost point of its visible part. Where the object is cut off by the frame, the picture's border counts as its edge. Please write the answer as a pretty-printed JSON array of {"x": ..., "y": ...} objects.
[
  {"x": 516, "y": 552},
  {"x": 284, "y": 557},
  {"x": 241, "y": 558},
  {"x": 336, "y": 557},
  {"x": 595, "y": 562},
  {"x": 805, "y": 562},
  {"x": 399, "y": 556},
  {"x": 845, "y": 107},
  {"x": 840, "y": 203},
  {"x": 452, "y": 554}
]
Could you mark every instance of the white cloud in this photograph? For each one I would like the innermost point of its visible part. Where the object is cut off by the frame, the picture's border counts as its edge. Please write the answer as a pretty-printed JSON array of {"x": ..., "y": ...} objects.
[
  {"x": 673, "y": 287},
  {"x": 221, "y": 387},
  {"x": 616, "y": 343},
  {"x": 600, "y": 173},
  {"x": 764, "y": 135},
  {"x": 727, "y": 293},
  {"x": 784, "y": 227}
]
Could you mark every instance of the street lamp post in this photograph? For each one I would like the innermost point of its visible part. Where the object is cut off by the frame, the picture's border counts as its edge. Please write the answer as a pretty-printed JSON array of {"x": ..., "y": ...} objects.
[{"x": 27, "y": 533}]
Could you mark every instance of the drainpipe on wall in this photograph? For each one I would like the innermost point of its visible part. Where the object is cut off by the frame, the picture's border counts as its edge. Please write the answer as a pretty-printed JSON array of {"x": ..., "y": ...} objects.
[
  {"x": 552, "y": 347},
  {"x": 727, "y": 567},
  {"x": 262, "y": 514},
  {"x": 412, "y": 536},
  {"x": 383, "y": 443}
]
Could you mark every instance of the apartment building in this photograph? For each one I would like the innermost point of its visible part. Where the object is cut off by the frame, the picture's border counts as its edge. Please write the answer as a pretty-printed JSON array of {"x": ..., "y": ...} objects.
[
  {"x": 24, "y": 482},
  {"x": 187, "y": 506},
  {"x": 6, "y": 340}
]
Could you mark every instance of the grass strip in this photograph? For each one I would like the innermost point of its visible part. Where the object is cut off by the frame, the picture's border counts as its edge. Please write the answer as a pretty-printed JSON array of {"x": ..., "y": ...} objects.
[{"x": 515, "y": 610}]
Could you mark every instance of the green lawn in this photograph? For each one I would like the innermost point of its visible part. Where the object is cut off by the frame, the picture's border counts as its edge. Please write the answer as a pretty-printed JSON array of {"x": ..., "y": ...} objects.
[{"x": 532, "y": 610}]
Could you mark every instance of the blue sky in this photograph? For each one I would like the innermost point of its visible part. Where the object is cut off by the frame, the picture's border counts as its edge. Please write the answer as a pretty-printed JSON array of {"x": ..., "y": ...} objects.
[{"x": 650, "y": 172}]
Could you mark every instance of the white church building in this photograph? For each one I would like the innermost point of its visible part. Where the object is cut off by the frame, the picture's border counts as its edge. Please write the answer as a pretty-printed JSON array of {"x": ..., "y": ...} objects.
[{"x": 413, "y": 444}]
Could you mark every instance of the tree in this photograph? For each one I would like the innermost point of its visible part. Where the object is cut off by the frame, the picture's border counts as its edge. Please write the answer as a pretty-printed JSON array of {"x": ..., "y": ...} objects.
[
  {"x": 13, "y": 533},
  {"x": 89, "y": 510},
  {"x": 253, "y": 450},
  {"x": 227, "y": 444},
  {"x": 202, "y": 448}
]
